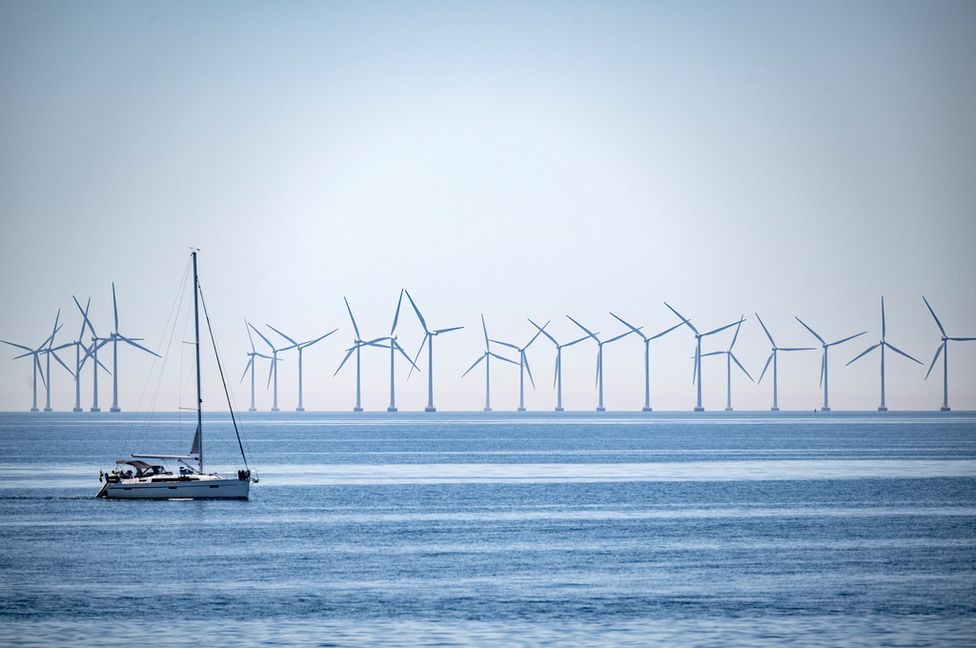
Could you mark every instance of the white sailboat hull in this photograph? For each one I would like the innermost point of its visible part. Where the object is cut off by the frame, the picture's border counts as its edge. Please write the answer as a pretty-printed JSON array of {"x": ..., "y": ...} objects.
[{"x": 207, "y": 487}]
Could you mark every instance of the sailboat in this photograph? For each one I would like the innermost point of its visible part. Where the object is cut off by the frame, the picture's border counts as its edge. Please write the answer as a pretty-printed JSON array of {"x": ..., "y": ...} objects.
[{"x": 140, "y": 477}]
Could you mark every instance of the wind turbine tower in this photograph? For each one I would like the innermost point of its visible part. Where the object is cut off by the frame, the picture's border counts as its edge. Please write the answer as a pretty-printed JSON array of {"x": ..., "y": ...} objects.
[
  {"x": 696, "y": 376},
  {"x": 251, "y": 362},
  {"x": 115, "y": 337},
  {"x": 558, "y": 379},
  {"x": 729, "y": 359},
  {"x": 773, "y": 355},
  {"x": 824, "y": 368},
  {"x": 599, "y": 358},
  {"x": 273, "y": 369},
  {"x": 429, "y": 336},
  {"x": 300, "y": 347},
  {"x": 523, "y": 365},
  {"x": 883, "y": 344},
  {"x": 647, "y": 356},
  {"x": 944, "y": 350},
  {"x": 487, "y": 356}
]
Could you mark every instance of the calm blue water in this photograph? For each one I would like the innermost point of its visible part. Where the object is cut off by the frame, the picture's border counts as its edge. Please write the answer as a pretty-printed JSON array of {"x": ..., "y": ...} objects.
[{"x": 500, "y": 529}]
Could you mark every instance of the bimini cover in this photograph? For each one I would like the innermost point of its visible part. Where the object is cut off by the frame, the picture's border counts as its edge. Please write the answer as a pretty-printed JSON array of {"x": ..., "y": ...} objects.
[{"x": 135, "y": 463}]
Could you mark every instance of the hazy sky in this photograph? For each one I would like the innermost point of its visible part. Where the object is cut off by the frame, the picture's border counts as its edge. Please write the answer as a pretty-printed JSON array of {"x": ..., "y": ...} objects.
[{"x": 522, "y": 159}]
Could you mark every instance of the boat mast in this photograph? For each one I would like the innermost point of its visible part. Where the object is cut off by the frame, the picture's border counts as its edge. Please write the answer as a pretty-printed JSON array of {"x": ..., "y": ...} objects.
[{"x": 196, "y": 330}]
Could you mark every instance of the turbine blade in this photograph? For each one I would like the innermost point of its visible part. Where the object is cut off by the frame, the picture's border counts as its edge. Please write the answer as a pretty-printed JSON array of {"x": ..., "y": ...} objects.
[
  {"x": 863, "y": 353},
  {"x": 766, "y": 330},
  {"x": 615, "y": 338},
  {"x": 271, "y": 367},
  {"x": 576, "y": 341},
  {"x": 348, "y": 353},
  {"x": 738, "y": 326},
  {"x": 138, "y": 346},
  {"x": 511, "y": 346},
  {"x": 897, "y": 350},
  {"x": 305, "y": 345},
  {"x": 812, "y": 332},
  {"x": 696, "y": 359},
  {"x": 19, "y": 346},
  {"x": 61, "y": 362},
  {"x": 823, "y": 365},
  {"x": 419, "y": 316},
  {"x": 682, "y": 318},
  {"x": 736, "y": 361},
  {"x": 537, "y": 334},
  {"x": 962, "y": 339},
  {"x": 250, "y": 361},
  {"x": 261, "y": 335},
  {"x": 115, "y": 308},
  {"x": 415, "y": 358},
  {"x": 542, "y": 329},
  {"x": 796, "y": 348},
  {"x": 399, "y": 348},
  {"x": 883, "y": 326},
  {"x": 938, "y": 352},
  {"x": 293, "y": 342},
  {"x": 666, "y": 331},
  {"x": 40, "y": 369},
  {"x": 848, "y": 338},
  {"x": 588, "y": 331},
  {"x": 447, "y": 330},
  {"x": 631, "y": 326},
  {"x": 354, "y": 327},
  {"x": 721, "y": 328},
  {"x": 934, "y": 316},
  {"x": 525, "y": 360},
  {"x": 247, "y": 327},
  {"x": 480, "y": 358},
  {"x": 485, "y": 330},
  {"x": 766, "y": 366},
  {"x": 508, "y": 360},
  {"x": 396, "y": 315},
  {"x": 555, "y": 374}
]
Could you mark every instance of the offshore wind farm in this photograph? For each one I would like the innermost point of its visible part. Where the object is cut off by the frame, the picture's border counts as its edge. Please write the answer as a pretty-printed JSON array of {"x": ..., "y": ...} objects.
[
  {"x": 42, "y": 371},
  {"x": 487, "y": 324}
]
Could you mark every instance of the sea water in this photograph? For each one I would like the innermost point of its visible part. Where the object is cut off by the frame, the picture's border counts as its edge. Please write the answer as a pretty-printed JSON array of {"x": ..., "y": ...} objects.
[{"x": 477, "y": 529}]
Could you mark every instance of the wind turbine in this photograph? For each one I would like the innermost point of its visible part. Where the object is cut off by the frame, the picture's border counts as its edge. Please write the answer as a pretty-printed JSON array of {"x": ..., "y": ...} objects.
[
  {"x": 883, "y": 344},
  {"x": 300, "y": 346},
  {"x": 487, "y": 356},
  {"x": 115, "y": 337},
  {"x": 273, "y": 368},
  {"x": 38, "y": 369},
  {"x": 944, "y": 350},
  {"x": 558, "y": 379},
  {"x": 429, "y": 336},
  {"x": 523, "y": 365},
  {"x": 358, "y": 344},
  {"x": 251, "y": 362},
  {"x": 599, "y": 358},
  {"x": 393, "y": 346},
  {"x": 729, "y": 359},
  {"x": 92, "y": 352},
  {"x": 696, "y": 375},
  {"x": 48, "y": 351},
  {"x": 824, "y": 373},
  {"x": 79, "y": 344},
  {"x": 647, "y": 355},
  {"x": 773, "y": 355}
]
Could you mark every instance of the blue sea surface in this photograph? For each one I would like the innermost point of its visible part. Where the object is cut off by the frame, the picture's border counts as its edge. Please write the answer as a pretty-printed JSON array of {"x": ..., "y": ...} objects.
[{"x": 499, "y": 529}]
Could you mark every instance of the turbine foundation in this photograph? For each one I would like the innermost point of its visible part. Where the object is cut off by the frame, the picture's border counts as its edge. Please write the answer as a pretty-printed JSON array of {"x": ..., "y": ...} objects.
[
  {"x": 558, "y": 409},
  {"x": 521, "y": 409},
  {"x": 945, "y": 409},
  {"x": 48, "y": 409},
  {"x": 76, "y": 409},
  {"x": 430, "y": 409},
  {"x": 391, "y": 409},
  {"x": 357, "y": 409},
  {"x": 601, "y": 409},
  {"x": 94, "y": 409},
  {"x": 699, "y": 409},
  {"x": 275, "y": 409},
  {"x": 34, "y": 409},
  {"x": 773, "y": 409},
  {"x": 115, "y": 409},
  {"x": 646, "y": 409},
  {"x": 728, "y": 409},
  {"x": 824, "y": 409},
  {"x": 487, "y": 409},
  {"x": 882, "y": 409},
  {"x": 299, "y": 409}
]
